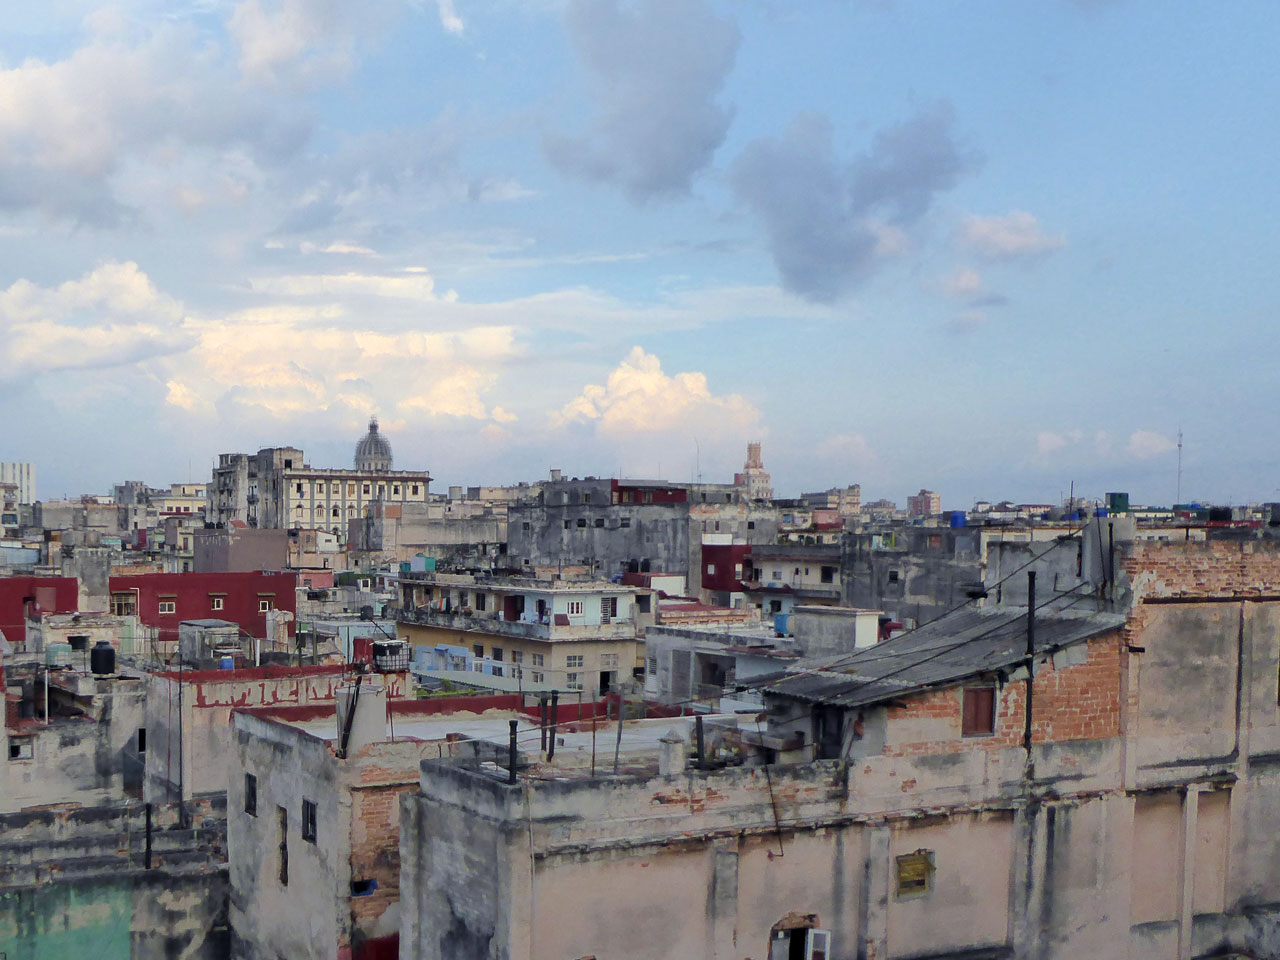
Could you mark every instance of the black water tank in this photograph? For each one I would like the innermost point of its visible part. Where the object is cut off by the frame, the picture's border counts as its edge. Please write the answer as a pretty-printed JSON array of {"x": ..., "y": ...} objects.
[{"x": 102, "y": 658}]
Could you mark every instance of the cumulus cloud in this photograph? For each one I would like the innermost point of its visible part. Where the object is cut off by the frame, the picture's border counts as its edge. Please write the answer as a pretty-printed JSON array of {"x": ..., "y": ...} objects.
[
  {"x": 1145, "y": 444},
  {"x": 656, "y": 69},
  {"x": 639, "y": 397},
  {"x": 299, "y": 41},
  {"x": 411, "y": 286},
  {"x": 826, "y": 219},
  {"x": 111, "y": 316},
  {"x": 70, "y": 134},
  {"x": 1016, "y": 235}
]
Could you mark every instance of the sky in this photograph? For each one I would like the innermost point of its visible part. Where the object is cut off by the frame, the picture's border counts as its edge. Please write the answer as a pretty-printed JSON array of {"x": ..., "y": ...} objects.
[{"x": 994, "y": 249}]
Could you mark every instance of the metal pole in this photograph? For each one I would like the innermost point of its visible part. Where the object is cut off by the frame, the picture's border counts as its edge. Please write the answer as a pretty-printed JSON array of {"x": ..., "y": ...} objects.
[
  {"x": 617, "y": 744},
  {"x": 1031, "y": 649},
  {"x": 511, "y": 752},
  {"x": 555, "y": 715},
  {"x": 702, "y": 757},
  {"x": 542, "y": 721}
]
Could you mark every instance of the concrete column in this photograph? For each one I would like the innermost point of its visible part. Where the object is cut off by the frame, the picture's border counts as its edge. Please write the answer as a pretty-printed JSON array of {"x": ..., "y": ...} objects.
[
  {"x": 1190, "y": 808},
  {"x": 873, "y": 919},
  {"x": 722, "y": 897}
]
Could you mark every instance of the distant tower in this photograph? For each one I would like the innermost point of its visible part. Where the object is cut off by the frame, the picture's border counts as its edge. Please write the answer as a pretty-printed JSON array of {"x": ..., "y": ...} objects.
[
  {"x": 753, "y": 475},
  {"x": 373, "y": 452}
]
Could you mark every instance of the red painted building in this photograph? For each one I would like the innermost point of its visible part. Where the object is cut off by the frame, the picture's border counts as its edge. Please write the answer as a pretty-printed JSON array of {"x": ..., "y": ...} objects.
[
  {"x": 164, "y": 600},
  {"x": 25, "y": 598},
  {"x": 722, "y": 566}
]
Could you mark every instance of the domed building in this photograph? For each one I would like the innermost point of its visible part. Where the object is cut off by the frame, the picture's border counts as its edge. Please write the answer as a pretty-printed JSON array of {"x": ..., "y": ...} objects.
[
  {"x": 373, "y": 452},
  {"x": 276, "y": 488}
]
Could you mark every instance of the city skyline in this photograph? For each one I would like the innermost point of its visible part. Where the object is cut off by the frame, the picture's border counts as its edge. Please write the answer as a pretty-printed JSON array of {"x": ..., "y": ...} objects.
[{"x": 992, "y": 255}]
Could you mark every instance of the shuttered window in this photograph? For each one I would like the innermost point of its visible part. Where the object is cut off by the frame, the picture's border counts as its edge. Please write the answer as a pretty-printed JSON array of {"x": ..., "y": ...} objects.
[{"x": 979, "y": 716}]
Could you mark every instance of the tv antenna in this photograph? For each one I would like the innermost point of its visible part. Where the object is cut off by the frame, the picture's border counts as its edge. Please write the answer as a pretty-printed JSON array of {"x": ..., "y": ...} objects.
[{"x": 1178, "y": 499}]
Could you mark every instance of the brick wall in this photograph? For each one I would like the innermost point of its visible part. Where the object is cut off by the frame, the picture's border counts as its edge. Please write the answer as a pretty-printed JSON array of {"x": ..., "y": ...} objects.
[
  {"x": 1215, "y": 568},
  {"x": 1080, "y": 701},
  {"x": 375, "y": 849}
]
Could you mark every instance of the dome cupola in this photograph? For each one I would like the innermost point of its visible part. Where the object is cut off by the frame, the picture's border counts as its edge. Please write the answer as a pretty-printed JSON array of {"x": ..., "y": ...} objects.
[{"x": 373, "y": 452}]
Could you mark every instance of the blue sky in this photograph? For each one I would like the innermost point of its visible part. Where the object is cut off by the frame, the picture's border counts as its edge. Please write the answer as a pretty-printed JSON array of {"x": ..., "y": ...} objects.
[{"x": 986, "y": 248}]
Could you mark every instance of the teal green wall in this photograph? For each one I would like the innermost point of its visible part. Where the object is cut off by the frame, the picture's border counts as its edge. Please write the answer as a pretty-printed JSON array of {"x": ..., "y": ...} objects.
[{"x": 88, "y": 919}]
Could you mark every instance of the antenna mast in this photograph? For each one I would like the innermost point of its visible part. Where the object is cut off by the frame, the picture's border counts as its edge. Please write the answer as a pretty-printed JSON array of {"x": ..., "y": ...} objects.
[{"x": 1179, "y": 498}]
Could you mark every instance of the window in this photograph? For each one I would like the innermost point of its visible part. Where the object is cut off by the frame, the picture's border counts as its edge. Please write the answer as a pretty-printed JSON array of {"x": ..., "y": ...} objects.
[
  {"x": 517, "y": 656},
  {"x": 477, "y": 649},
  {"x": 777, "y": 575},
  {"x": 571, "y": 681},
  {"x": 309, "y": 821},
  {"x": 624, "y": 522},
  {"x": 168, "y": 606},
  {"x": 608, "y": 660},
  {"x": 264, "y": 604},
  {"x": 415, "y": 489},
  {"x": 893, "y": 576},
  {"x": 215, "y": 603},
  {"x": 608, "y": 609},
  {"x": 298, "y": 488},
  {"x": 651, "y": 663},
  {"x": 574, "y": 660},
  {"x": 282, "y": 815},
  {"x": 914, "y": 873},
  {"x": 395, "y": 489},
  {"x": 800, "y": 943},
  {"x": 480, "y": 601},
  {"x": 20, "y": 749},
  {"x": 828, "y": 574},
  {"x": 524, "y": 525},
  {"x": 497, "y": 654},
  {"x": 142, "y": 739},
  {"x": 566, "y": 524},
  {"x": 979, "y": 716},
  {"x": 599, "y": 521},
  {"x": 537, "y": 677},
  {"x": 751, "y": 524},
  {"x": 575, "y": 608},
  {"x": 538, "y": 659},
  {"x": 251, "y": 794},
  {"x": 711, "y": 569},
  {"x": 122, "y": 605},
  {"x": 582, "y": 521},
  {"x": 365, "y": 490}
]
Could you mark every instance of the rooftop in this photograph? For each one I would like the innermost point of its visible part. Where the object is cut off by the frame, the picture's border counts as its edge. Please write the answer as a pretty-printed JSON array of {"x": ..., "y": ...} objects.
[{"x": 958, "y": 645}]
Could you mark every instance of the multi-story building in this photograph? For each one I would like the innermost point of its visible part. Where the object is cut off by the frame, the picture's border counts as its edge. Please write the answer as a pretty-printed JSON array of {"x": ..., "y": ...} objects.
[
  {"x": 1002, "y": 783},
  {"x": 10, "y": 517},
  {"x": 926, "y": 503},
  {"x": 608, "y": 527},
  {"x": 24, "y": 475},
  {"x": 276, "y": 489},
  {"x": 778, "y": 577},
  {"x": 572, "y": 635}
]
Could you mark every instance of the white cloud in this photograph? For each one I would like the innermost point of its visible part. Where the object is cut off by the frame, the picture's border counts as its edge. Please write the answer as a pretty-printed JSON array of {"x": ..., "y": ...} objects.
[
  {"x": 111, "y": 316},
  {"x": 300, "y": 41},
  {"x": 1016, "y": 235},
  {"x": 449, "y": 18},
  {"x": 1048, "y": 442},
  {"x": 847, "y": 446},
  {"x": 411, "y": 286},
  {"x": 964, "y": 283},
  {"x": 1145, "y": 444},
  {"x": 639, "y": 398}
]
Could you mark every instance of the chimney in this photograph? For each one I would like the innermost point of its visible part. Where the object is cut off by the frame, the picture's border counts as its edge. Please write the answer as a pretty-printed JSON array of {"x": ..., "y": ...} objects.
[{"x": 673, "y": 755}]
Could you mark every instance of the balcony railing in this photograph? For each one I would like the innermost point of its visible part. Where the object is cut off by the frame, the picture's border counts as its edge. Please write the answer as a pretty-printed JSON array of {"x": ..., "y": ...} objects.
[{"x": 490, "y": 622}]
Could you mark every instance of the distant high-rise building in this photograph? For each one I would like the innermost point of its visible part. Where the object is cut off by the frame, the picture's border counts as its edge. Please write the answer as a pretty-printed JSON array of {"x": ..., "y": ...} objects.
[
  {"x": 753, "y": 475},
  {"x": 24, "y": 475},
  {"x": 926, "y": 503}
]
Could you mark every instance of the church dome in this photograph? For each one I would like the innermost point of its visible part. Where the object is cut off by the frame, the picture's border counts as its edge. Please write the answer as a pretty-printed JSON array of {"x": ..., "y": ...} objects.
[{"x": 373, "y": 452}]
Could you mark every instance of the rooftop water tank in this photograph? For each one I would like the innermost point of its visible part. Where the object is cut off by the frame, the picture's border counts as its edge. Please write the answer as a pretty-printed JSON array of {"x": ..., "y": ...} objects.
[
  {"x": 227, "y": 663},
  {"x": 58, "y": 654},
  {"x": 957, "y": 519},
  {"x": 102, "y": 658}
]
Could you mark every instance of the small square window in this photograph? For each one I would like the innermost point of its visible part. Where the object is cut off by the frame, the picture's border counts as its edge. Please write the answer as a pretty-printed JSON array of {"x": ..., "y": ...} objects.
[
  {"x": 264, "y": 605},
  {"x": 20, "y": 749},
  {"x": 477, "y": 649},
  {"x": 215, "y": 603},
  {"x": 573, "y": 661},
  {"x": 142, "y": 739},
  {"x": 624, "y": 522},
  {"x": 517, "y": 656},
  {"x": 250, "y": 794},
  {"x": 575, "y": 608},
  {"x": 537, "y": 677},
  {"x": 309, "y": 821},
  {"x": 168, "y": 606},
  {"x": 538, "y": 659}
]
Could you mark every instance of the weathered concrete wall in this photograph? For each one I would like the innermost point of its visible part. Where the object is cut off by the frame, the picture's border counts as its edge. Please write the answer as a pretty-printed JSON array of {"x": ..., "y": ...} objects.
[
  {"x": 90, "y": 759},
  {"x": 74, "y": 882}
]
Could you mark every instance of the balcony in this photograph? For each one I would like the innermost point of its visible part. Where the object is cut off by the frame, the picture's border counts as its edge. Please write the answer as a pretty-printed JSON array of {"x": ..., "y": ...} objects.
[{"x": 492, "y": 623}]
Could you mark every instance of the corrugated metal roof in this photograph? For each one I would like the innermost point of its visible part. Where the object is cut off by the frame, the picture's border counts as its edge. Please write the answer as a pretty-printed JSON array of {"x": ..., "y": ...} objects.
[{"x": 953, "y": 647}]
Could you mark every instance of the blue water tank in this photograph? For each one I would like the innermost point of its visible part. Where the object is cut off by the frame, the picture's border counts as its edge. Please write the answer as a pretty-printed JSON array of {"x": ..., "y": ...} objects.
[
  {"x": 227, "y": 663},
  {"x": 958, "y": 518},
  {"x": 1100, "y": 512}
]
